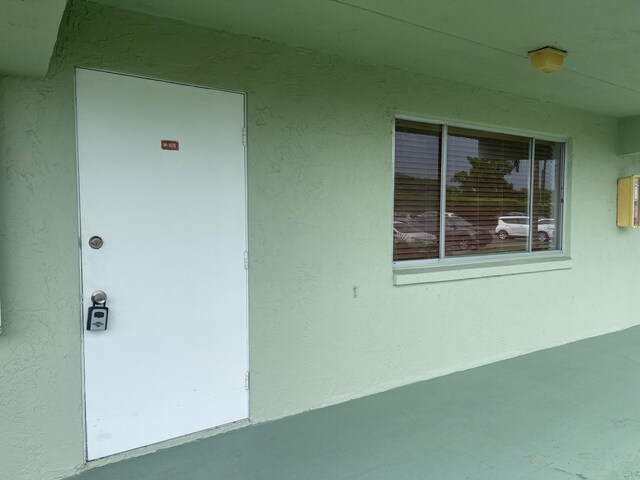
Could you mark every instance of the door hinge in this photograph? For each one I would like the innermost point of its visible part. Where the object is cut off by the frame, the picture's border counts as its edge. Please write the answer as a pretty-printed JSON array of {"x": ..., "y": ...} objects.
[
  {"x": 244, "y": 137},
  {"x": 246, "y": 381},
  {"x": 246, "y": 260}
]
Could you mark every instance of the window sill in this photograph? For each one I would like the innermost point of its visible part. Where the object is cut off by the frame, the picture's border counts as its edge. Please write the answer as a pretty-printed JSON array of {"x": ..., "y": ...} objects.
[{"x": 448, "y": 273}]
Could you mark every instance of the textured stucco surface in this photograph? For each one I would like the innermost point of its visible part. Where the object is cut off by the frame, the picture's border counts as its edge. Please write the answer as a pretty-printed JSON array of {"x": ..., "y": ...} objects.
[
  {"x": 628, "y": 138},
  {"x": 320, "y": 205},
  {"x": 40, "y": 382}
]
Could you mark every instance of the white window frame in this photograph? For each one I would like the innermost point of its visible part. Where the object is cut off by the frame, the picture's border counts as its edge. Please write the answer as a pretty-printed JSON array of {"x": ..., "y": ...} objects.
[{"x": 494, "y": 258}]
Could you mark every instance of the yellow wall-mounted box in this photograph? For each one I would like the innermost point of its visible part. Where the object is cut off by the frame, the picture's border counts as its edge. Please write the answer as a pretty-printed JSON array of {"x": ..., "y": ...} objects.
[{"x": 628, "y": 193}]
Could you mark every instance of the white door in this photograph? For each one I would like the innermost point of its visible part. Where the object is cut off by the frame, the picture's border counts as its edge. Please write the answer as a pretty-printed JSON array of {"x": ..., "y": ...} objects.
[{"x": 162, "y": 183}]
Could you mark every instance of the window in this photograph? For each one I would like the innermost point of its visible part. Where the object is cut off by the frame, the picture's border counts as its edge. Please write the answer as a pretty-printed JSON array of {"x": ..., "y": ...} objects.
[{"x": 463, "y": 192}]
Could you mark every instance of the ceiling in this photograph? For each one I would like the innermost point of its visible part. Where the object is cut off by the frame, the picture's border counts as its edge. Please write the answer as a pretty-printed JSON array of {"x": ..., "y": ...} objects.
[
  {"x": 481, "y": 43},
  {"x": 28, "y": 32}
]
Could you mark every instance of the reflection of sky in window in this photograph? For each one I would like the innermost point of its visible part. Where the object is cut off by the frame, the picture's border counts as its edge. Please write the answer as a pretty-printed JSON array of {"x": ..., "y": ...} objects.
[
  {"x": 418, "y": 155},
  {"x": 549, "y": 175},
  {"x": 459, "y": 163}
]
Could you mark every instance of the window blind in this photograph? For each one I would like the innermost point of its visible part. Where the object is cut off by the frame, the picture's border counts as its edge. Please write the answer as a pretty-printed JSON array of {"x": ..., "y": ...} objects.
[{"x": 497, "y": 199}]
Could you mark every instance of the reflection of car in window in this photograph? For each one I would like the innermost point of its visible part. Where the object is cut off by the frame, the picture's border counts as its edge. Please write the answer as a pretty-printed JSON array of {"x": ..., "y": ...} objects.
[
  {"x": 459, "y": 233},
  {"x": 518, "y": 226},
  {"x": 546, "y": 229},
  {"x": 405, "y": 233}
]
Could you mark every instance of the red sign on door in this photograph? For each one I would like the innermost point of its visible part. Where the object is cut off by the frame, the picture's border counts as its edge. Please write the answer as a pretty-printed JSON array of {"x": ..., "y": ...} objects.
[{"x": 169, "y": 145}]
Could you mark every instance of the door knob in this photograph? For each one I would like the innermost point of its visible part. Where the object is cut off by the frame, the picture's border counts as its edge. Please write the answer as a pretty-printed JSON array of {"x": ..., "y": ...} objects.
[{"x": 99, "y": 297}]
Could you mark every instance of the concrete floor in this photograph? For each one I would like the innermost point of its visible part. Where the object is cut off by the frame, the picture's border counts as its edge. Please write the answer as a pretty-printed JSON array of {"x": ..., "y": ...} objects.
[{"x": 571, "y": 412}]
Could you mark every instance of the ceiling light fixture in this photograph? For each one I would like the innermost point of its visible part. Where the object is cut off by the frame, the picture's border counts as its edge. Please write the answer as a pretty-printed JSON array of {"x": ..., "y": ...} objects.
[{"x": 547, "y": 59}]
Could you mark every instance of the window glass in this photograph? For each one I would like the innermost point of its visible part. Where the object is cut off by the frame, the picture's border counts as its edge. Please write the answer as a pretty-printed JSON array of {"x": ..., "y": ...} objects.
[
  {"x": 547, "y": 180},
  {"x": 487, "y": 178},
  {"x": 497, "y": 200},
  {"x": 417, "y": 190}
]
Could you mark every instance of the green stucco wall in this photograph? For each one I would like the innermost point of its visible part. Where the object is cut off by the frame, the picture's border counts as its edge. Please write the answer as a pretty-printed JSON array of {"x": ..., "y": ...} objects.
[
  {"x": 320, "y": 207},
  {"x": 629, "y": 135}
]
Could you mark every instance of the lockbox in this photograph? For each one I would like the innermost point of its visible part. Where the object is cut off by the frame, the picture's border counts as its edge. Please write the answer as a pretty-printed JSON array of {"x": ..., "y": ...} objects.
[{"x": 628, "y": 194}]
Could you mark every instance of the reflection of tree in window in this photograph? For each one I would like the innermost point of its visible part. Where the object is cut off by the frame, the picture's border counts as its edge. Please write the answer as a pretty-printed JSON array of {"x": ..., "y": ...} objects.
[
  {"x": 486, "y": 184},
  {"x": 487, "y": 177}
]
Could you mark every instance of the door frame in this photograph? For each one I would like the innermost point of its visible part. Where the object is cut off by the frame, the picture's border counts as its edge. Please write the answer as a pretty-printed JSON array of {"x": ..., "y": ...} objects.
[{"x": 202, "y": 433}]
